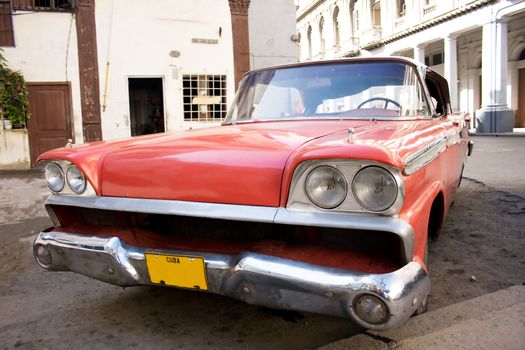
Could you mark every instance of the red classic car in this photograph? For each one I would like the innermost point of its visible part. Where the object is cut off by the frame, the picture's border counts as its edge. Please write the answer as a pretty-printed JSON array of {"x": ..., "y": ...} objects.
[{"x": 319, "y": 193}]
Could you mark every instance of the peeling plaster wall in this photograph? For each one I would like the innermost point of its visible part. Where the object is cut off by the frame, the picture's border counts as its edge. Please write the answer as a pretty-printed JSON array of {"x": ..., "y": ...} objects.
[{"x": 14, "y": 150}]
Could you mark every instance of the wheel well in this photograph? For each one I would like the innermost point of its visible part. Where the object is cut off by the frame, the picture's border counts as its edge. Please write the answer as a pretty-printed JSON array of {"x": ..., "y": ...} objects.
[{"x": 435, "y": 221}]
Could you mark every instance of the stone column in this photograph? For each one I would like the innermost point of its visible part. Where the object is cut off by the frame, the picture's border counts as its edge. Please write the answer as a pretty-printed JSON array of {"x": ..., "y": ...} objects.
[
  {"x": 419, "y": 53},
  {"x": 494, "y": 115},
  {"x": 241, "y": 39},
  {"x": 451, "y": 69}
]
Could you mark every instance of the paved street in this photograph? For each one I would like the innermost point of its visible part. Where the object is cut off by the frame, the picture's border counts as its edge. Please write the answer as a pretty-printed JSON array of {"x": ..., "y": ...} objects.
[
  {"x": 483, "y": 237},
  {"x": 499, "y": 162}
]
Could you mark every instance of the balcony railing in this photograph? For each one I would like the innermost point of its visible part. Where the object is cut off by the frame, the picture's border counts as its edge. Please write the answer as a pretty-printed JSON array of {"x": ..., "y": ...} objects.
[{"x": 429, "y": 8}]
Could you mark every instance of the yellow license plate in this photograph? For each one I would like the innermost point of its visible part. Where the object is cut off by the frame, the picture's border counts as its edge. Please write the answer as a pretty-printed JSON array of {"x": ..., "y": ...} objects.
[{"x": 177, "y": 270}]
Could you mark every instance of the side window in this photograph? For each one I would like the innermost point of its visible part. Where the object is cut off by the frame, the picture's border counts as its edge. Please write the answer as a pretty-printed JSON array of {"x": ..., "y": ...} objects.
[
  {"x": 412, "y": 96},
  {"x": 422, "y": 106},
  {"x": 435, "y": 96}
]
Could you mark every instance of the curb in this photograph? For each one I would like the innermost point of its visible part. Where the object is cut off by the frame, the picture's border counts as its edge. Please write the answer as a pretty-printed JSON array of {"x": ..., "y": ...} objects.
[{"x": 21, "y": 172}]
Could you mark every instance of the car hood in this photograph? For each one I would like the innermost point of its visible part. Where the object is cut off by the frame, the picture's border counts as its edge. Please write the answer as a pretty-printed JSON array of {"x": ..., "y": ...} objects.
[{"x": 236, "y": 164}]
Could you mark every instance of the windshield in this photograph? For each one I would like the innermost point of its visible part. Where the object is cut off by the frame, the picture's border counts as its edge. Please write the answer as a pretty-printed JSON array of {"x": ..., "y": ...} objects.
[{"x": 332, "y": 90}]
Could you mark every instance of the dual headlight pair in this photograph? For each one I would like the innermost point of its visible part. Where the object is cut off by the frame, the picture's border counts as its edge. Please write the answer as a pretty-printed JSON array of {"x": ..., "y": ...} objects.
[
  {"x": 56, "y": 179},
  {"x": 374, "y": 188}
]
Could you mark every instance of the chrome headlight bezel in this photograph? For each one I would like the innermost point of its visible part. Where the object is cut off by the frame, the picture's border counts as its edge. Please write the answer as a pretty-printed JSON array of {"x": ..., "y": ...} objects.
[
  {"x": 79, "y": 177},
  {"x": 299, "y": 201},
  {"x": 388, "y": 201},
  {"x": 64, "y": 166},
  {"x": 52, "y": 166},
  {"x": 339, "y": 180}
]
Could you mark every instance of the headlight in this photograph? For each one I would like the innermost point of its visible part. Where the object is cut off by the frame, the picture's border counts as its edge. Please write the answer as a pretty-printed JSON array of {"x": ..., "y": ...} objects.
[
  {"x": 54, "y": 177},
  {"x": 75, "y": 179},
  {"x": 326, "y": 187},
  {"x": 375, "y": 189}
]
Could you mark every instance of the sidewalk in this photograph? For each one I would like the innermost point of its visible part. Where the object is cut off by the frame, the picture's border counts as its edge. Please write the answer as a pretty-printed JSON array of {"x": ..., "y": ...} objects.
[
  {"x": 491, "y": 321},
  {"x": 23, "y": 193},
  {"x": 516, "y": 132},
  {"x": 498, "y": 162}
]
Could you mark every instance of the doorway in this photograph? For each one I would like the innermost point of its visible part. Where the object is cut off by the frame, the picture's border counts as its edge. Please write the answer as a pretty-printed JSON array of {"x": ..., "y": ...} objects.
[
  {"x": 49, "y": 126},
  {"x": 520, "y": 115},
  {"x": 146, "y": 106}
]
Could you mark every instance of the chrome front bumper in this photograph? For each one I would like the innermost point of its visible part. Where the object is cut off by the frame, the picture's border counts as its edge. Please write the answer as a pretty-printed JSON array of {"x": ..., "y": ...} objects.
[{"x": 253, "y": 278}]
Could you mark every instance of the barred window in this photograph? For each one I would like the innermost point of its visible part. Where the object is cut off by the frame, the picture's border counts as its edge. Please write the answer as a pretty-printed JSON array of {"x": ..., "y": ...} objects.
[
  {"x": 44, "y": 5},
  {"x": 204, "y": 97}
]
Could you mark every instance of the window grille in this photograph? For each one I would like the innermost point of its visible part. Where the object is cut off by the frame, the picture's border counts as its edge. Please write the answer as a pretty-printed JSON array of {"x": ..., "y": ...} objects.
[
  {"x": 204, "y": 97},
  {"x": 44, "y": 5}
]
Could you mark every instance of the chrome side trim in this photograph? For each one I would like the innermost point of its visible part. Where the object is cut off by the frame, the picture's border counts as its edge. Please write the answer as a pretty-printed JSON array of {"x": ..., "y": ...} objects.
[
  {"x": 253, "y": 278},
  {"x": 170, "y": 207},
  {"x": 424, "y": 156},
  {"x": 352, "y": 221}
]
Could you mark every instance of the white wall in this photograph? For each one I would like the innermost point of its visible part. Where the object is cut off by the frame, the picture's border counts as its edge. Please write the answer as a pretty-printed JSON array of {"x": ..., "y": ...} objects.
[
  {"x": 271, "y": 26},
  {"x": 136, "y": 38},
  {"x": 41, "y": 53},
  {"x": 14, "y": 149}
]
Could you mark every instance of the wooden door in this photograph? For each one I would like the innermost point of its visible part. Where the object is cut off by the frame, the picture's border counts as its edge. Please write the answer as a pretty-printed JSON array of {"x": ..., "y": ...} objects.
[
  {"x": 50, "y": 123},
  {"x": 520, "y": 116}
]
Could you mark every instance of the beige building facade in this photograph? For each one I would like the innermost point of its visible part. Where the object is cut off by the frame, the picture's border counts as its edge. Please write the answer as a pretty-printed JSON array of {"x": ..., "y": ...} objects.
[
  {"x": 479, "y": 46},
  {"x": 111, "y": 69}
]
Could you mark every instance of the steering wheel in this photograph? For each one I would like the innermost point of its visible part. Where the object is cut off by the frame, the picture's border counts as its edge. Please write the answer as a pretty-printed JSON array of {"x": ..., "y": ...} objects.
[{"x": 386, "y": 99}]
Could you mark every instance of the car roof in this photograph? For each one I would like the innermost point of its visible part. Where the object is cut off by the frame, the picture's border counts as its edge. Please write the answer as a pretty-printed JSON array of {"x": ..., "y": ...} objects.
[{"x": 421, "y": 67}]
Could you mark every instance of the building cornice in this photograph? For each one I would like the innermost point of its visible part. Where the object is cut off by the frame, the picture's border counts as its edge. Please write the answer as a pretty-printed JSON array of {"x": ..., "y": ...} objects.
[
  {"x": 307, "y": 10},
  {"x": 425, "y": 25}
]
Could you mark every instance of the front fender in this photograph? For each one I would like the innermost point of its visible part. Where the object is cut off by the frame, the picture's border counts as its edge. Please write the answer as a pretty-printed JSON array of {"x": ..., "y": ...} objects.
[{"x": 417, "y": 213}]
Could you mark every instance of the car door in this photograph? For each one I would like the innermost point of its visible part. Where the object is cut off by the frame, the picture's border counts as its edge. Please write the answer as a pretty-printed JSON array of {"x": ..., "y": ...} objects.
[{"x": 455, "y": 129}]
